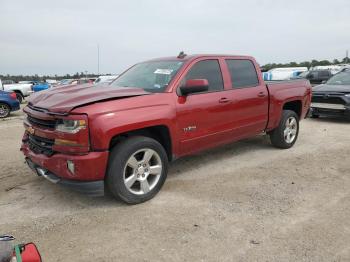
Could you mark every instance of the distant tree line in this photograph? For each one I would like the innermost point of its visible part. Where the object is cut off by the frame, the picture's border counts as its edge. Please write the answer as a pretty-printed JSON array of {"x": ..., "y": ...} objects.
[
  {"x": 78, "y": 75},
  {"x": 36, "y": 77},
  {"x": 307, "y": 64}
]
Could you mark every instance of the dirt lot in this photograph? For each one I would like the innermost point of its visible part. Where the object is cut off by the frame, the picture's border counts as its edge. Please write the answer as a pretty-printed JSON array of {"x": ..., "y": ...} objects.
[{"x": 244, "y": 202}]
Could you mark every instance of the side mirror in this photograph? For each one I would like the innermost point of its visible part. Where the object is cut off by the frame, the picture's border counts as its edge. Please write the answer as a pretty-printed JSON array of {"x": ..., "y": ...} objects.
[
  {"x": 324, "y": 81},
  {"x": 194, "y": 86}
]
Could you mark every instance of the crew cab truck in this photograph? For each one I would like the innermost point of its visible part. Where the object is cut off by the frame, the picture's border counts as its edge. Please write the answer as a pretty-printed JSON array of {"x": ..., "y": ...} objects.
[{"x": 120, "y": 137}]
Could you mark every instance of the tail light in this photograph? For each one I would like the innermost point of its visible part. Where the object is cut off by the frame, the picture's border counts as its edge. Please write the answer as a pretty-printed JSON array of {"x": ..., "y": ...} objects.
[{"x": 13, "y": 95}]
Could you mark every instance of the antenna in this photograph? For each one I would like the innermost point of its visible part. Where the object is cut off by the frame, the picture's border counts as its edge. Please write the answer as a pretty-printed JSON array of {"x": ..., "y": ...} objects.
[
  {"x": 181, "y": 55},
  {"x": 98, "y": 59}
]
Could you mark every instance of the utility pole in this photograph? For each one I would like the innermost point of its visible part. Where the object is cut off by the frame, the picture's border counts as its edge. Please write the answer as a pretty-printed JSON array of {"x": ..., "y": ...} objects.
[
  {"x": 347, "y": 57},
  {"x": 98, "y": 59}
]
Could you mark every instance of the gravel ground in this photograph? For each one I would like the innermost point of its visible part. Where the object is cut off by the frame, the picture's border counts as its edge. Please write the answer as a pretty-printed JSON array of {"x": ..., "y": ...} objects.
[{"x": 243, "y": 202}]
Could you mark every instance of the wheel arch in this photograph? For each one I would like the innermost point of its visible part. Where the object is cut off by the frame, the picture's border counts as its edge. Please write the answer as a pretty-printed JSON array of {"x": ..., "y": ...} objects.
[
  {"x": 294, "y": 105},
  {"x": 160, "y": 133},
  {"x": 18, "y": 91}
]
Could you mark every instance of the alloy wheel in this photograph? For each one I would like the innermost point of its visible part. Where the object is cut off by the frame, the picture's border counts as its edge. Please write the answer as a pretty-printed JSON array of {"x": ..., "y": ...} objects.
[
  {"x": 291, "y": 129},
  {"x": 142, "y": 171}
]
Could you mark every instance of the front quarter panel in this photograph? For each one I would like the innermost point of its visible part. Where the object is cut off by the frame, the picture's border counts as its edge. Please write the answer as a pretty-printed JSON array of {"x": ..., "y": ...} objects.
[{"x": 110, "y": 118}]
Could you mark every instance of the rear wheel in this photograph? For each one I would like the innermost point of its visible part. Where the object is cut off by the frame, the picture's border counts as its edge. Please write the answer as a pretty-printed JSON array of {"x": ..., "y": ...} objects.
[
  {"x": 19, "y": 97},
  {"x": 137, "y": 169},
  {"x": 286, "y": 134},
  {"x": 4, "y": 110}
]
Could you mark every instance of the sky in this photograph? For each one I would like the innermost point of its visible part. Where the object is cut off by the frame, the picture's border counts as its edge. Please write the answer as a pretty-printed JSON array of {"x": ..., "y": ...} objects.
[{"x": 60, "y": 37}]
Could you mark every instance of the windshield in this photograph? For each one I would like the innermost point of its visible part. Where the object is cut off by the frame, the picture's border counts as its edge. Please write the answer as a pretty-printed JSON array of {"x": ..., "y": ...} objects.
[
  {"x": 340, "y": 79},
  {"x": 303, "y": 74},
  {"x": 150, "y": 76}
]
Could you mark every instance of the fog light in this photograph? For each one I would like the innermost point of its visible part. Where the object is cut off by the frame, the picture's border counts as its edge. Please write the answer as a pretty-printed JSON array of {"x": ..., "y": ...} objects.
[
  {"x": 70, "y": 166},
  {"x": 41, "y": 171}
]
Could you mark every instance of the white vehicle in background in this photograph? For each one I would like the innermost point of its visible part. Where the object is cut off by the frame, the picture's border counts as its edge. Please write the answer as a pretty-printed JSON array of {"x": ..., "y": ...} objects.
[
  {"x": 106, "y": 79},
  {"x": 333, "y": 68},
  {"x": 283, "y": 73},
  {"x": 52, "y": 81},
  {"x": 21, "y": 90}
]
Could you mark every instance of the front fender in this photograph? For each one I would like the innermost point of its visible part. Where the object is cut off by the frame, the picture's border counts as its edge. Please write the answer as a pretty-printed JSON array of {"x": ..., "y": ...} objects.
[{"x": 106, "y": 126}]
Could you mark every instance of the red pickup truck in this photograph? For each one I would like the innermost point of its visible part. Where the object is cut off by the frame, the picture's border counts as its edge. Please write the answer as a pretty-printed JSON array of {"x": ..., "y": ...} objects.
[{"x": 120, "y": 137}]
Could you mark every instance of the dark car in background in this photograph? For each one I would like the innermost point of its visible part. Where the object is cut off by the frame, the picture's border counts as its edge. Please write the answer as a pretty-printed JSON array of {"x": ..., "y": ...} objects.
[
  {"x": 8, "y": 103},
  {"x": 332, "y": 97},
  {"x": 315, "y": 76}
]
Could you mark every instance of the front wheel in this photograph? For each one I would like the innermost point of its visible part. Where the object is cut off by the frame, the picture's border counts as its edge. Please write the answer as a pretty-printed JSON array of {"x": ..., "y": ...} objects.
[
  {"x": 4, "y": 110},
  {"x": 137, "y": 169},
  {"x": 286, "y": 134}
]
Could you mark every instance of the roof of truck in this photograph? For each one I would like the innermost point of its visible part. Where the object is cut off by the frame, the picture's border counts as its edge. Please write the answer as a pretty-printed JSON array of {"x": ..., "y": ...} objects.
[{"x": 195, "y": 56}]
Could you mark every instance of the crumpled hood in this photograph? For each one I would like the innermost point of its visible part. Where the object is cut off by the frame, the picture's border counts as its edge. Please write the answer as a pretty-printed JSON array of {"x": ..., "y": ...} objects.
[
  {"x": 331, "y": 88},
  {"x": 64, "y": 99}
]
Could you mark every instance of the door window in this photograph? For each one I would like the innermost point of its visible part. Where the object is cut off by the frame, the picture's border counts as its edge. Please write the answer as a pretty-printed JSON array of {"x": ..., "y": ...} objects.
[
  {"x": 243, "y": 73},
  {"x": 210, "y": 70}
]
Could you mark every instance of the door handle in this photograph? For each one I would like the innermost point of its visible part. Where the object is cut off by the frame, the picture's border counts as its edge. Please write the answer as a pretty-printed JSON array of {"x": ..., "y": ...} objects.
[
  {"x": 261, "y": 94},
  {"x": 224, "y": 100}
]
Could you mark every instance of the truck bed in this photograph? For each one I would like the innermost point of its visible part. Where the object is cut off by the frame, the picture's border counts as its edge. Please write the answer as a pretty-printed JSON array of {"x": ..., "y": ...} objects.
[{"x": 282, "y": 91}]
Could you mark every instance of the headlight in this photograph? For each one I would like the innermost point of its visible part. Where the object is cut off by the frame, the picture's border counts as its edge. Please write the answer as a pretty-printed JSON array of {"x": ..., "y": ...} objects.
[
  {"x": 347, "y": 95},
  {"x": 70, "y": 126}
]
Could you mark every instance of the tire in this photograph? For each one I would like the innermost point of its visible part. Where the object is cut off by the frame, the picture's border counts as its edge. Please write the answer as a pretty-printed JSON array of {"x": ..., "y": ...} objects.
[
  {"x": 19, "y": 97},
  {"x": 5, "y": 110},
  {"x": 285, "y": 135},
  {"x": 123, "y": 169}
]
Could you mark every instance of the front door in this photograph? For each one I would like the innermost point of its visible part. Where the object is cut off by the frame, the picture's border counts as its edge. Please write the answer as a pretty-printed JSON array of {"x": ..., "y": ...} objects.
[{"x": 203, "y": 117}]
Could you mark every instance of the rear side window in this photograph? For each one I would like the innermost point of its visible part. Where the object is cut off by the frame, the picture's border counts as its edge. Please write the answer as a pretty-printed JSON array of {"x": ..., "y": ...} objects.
[
  {"x": 324, "y": 73},
  {"x": 243, "y": 73},
  {"x": 210, "y": 70}
]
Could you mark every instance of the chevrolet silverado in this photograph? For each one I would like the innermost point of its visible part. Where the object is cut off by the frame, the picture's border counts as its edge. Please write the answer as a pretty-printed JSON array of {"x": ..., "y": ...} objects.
[{"x": 120, "y": 137}]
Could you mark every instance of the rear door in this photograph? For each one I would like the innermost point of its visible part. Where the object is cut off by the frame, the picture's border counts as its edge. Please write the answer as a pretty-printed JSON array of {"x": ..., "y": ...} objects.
[
  {"x": 202, "y": 118},
  {"x": 250, "y": 99}
]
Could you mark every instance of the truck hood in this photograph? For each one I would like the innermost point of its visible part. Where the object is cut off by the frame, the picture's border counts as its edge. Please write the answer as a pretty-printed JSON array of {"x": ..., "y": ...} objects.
[
  {"x": 62, "y": 100},
  {"x": 331, "y": 88}
]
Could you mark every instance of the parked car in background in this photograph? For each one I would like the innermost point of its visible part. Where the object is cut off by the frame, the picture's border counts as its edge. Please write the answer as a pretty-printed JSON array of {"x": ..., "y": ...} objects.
[
  {"x": 333, "y": 68},
  {"x": 28, "y": 82},
  {"x": 21, "y": 90},
  {"x": 64, "y": 82},
  {"x": 40, "y": 86},
  {"x": 106, "y": 79},
  {"x": 52, "y": 81},
  {"x": 121, "y": 136},
  {"x": 315, "y": 76},
  {"x": 283, "y": 73},
  {"x": 332, "y": 97},
  {"x": 81, "y": 81},
  {"x": 8, "y": 103}
]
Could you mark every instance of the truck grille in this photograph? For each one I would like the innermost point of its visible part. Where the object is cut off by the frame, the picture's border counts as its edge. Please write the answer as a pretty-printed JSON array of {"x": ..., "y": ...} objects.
[
  {"x": 50, "y": 124},
  {"x": 40, "y": 145},
  {"x": 328, "y": 98}
]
